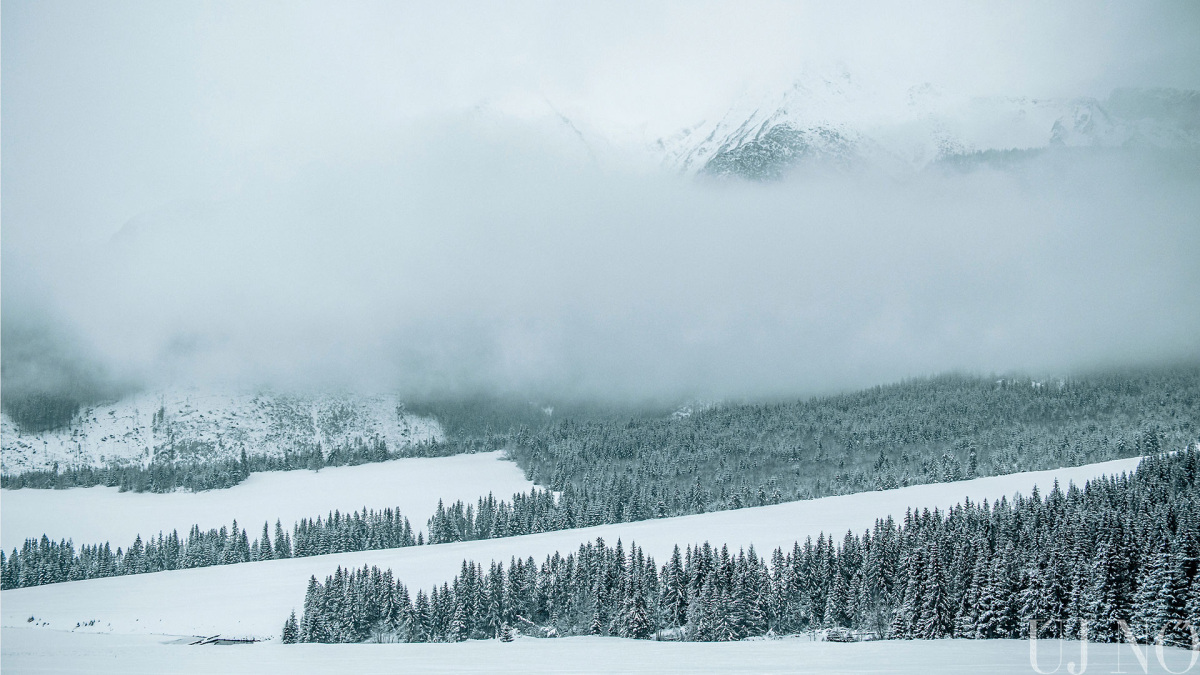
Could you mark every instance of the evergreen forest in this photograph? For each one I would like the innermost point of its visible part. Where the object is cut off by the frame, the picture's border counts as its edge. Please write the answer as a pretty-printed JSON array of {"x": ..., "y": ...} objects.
[{"x": 1115, "y": 558}]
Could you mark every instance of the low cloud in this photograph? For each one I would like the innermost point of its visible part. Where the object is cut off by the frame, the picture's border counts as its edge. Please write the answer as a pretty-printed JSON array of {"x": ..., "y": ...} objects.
[
  {"x": 477, "y": 257},
  {"x": 386, "y": 196}
]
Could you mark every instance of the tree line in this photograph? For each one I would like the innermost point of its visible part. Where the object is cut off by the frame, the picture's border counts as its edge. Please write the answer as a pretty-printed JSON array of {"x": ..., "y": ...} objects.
[
  {"x": 917, "y": 431},
  {"x": 627, "y": 498},
  {"x": 166, "y": 472},
  {"x": 920, "y": 431},
  {"x": 42, "y": 561},
  {"x": 1120, "y": 550}
]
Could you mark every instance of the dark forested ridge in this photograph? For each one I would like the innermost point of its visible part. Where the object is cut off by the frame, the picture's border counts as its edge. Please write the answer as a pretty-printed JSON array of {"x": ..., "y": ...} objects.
[
  {"x": 729, "y": 455},
  {"x": 1121, "y": 549},
  {"x": 485, "y": 419},
  {"x": 919, "y": 431},
  {"x": 923, "y": 431},
  {"x": 44, "y": 378},
  {"x": 34, "y": 412}
]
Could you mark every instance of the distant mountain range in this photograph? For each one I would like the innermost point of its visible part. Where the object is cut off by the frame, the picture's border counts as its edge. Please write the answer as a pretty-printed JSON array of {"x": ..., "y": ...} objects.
[{"x": 833, "y": 122}]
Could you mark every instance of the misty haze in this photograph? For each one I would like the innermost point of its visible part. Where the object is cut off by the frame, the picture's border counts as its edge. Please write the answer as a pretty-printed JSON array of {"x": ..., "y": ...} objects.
[{"x": 595, "y": 337}]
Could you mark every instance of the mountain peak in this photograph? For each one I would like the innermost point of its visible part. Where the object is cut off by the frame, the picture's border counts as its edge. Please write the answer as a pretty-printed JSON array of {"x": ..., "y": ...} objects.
[{"x": 832, "y": 121}]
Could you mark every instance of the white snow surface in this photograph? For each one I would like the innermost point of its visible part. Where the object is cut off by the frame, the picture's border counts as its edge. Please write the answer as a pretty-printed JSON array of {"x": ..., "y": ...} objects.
[
  {"x": 211, "y": 424},
  {"x": 30, "y": 650},
  {"x": 414, "y": 485},
  {"x": 255, "y": 598}
]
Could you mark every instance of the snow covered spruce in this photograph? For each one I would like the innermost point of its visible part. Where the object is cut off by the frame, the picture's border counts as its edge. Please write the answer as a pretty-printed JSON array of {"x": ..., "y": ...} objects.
[
  {"x": 1121, "y": 548},
  {"x": 46, "y": 562}
]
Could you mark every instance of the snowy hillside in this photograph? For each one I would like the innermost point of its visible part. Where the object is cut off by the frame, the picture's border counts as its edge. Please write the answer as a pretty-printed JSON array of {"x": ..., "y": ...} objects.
[
  {"x": 253, "y": 598},
  {"x": 203, "y": 425},
  {"x": 414, "y": 485},
  {"x": 835, "y": 120}
]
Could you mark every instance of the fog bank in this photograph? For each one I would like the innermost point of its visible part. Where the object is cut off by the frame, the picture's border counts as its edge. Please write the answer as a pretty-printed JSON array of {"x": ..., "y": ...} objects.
[
  {"x": 446, "y": 198},
  {"x": 481, "y": 261}
]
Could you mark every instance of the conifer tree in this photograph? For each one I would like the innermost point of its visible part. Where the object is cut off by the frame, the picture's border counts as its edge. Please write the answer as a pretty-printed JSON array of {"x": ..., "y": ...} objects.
[
  {"x": 265, "y": 551},
  {"x": 291, "y": 631},
  {"x": 637, "y": 623},
  {"x": 934, "y": 617}
]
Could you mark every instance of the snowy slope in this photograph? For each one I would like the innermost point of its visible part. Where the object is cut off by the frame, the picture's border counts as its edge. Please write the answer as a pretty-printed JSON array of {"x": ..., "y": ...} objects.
[
  {"x": 99, "y": 514},
  {"x": 815, "y": 117},
  {"x": 254, "y": 598},
  {"x": 202, "y": 425},
  {"x": 27, "y": 650},
  {"x": 833, "y": 119}
]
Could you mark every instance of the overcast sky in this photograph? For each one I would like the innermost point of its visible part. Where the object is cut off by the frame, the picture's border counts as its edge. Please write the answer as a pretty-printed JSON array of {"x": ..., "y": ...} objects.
[{"x": 310, "y": 193}]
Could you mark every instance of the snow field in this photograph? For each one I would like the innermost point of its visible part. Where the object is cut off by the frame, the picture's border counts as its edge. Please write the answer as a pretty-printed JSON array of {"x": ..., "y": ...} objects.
[
  {"x": 99, "y": 514},
  {"x": 255, "y": 598},
  {"x": 30, "y": 650}
]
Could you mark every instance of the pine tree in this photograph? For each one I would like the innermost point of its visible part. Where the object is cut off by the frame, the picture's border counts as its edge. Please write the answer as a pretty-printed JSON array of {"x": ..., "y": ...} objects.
[
  {"x": 675, "y": 599},
  {"x": 997, "y": 616},
  {"x": 835, "y": 602},
  {"x": 723, "y": 627},
  {"x": 910, "y": 602},
  {"x": 967, "y": 618},
  {"x": 637, "y": 623},
  {"x": 934, "y": 618},
  {"x": 457, "y": 631},
  {"x": 1150, "y": 610},
  {"x": 1192, "y": 607},
  {"x": 265, "y": 551},
  {"x": 700, "y": 613},
  {"x": 291, "y": 631},
  {"x": 422, "y": 629},
  {"x": 1173, "y": 597},
  {"x": 1032, "y": 597}
]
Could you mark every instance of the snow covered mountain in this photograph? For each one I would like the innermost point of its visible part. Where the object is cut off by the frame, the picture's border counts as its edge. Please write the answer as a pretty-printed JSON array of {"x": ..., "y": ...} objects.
[
  {"x": 206, "y": 425},
  {"x": 834, "y": 121}
]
